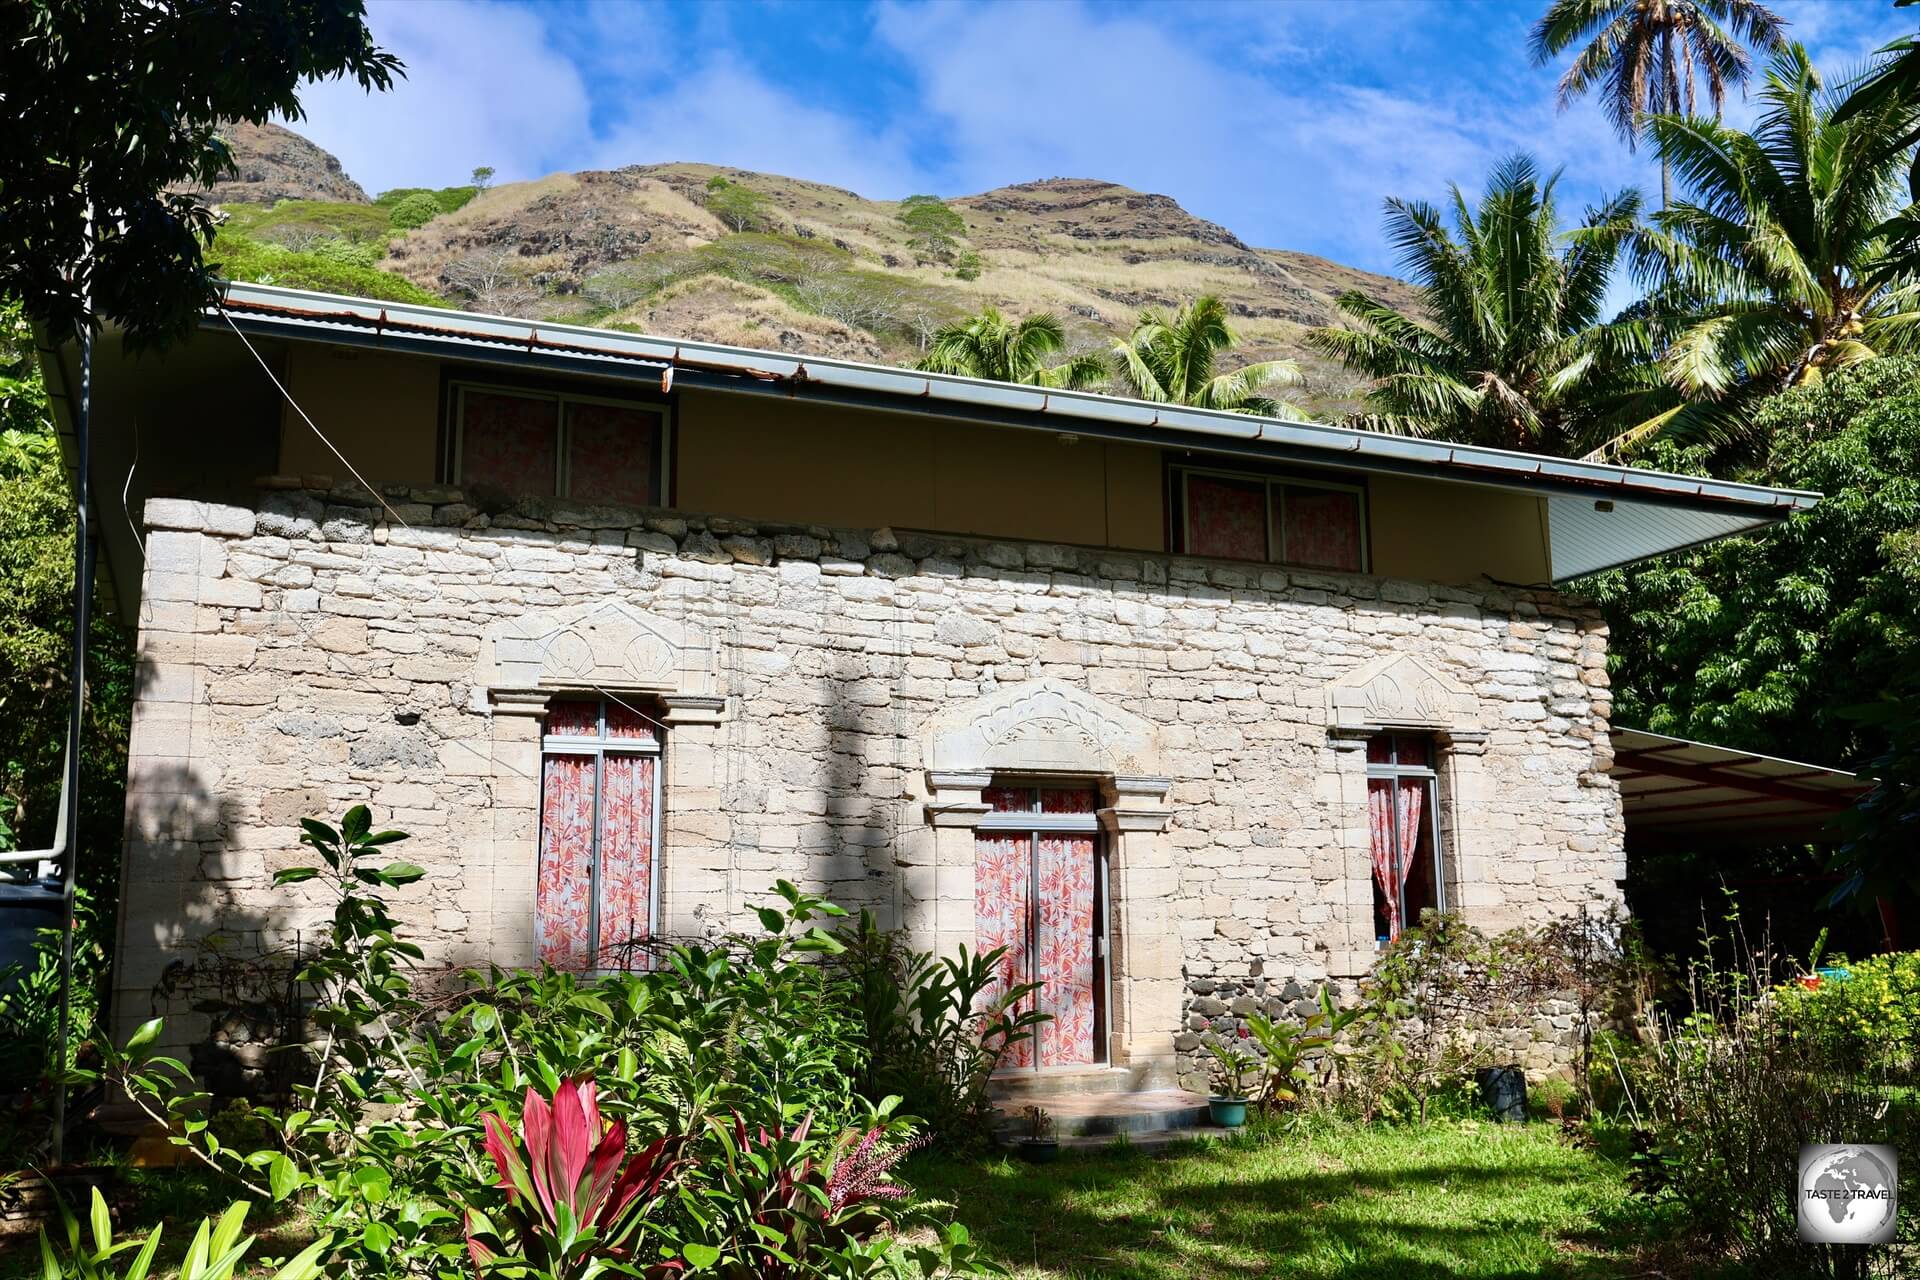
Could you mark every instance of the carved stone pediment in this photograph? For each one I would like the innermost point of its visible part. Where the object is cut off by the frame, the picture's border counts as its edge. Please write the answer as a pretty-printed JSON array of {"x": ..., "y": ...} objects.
[
  {"x": 608, "y": 643},
  {"x": 1042, "y": 726},
  {"x": 1397, "y": 691}
]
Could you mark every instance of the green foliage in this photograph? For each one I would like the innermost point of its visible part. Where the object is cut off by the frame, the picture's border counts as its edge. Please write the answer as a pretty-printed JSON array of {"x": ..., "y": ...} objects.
[
  {"x": 1725, "y": 1095},
  {"x": 36, "y": 581},
  {"x": 930, "y": 1036},
  {"x": 740, "y": 207},
  {"x": 113, "y": 108},
  {"x": 968, "y": 265},
  {"x": 1170, "y": 359},
  {"x": 1510, "y": 348},
  {"x": 1869, "y": 1014},
  {"x": 733, "y": 1064},
  {"x": 935, "y": 227},
  {"x": 1775, "y": 268},
  {"x": 1876, "y": 859},
  {"x": 1642, "y": 58},
  {"x": 216, "y": 1252},
  {"x": 294, "y": 223},
  {"x": 416, "y": 210},
  {"x": 482, "y": 178},
  {"x": 1288, "y": 1048},
  {"x": 1231, "y": 1064},
  {"x": 1762, "y": 642},
  {"x": 238, "y": 258},
  {"x": 447, "y": 199},
  {"x": 991, "y": 346}
]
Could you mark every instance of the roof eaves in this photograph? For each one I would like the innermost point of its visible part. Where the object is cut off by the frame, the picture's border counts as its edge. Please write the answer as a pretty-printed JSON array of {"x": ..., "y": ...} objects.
[{"x": 1466, "y": 462}]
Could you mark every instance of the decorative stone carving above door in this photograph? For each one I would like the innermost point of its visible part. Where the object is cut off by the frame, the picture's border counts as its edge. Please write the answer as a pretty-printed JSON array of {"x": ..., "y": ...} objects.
[
  {"x": 1039, "y": 727},
  {"x": 604, "y": 644},
  {"x": 1398, "y": 691}
]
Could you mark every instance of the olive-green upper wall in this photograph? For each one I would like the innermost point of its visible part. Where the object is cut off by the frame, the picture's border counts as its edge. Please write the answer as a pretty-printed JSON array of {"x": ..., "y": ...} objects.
[{"x": 809, "y": 463}]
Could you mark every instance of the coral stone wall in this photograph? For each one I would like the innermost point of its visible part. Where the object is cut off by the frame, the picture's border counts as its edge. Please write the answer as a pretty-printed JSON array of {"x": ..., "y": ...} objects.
[{"x": 334, "y": 647}]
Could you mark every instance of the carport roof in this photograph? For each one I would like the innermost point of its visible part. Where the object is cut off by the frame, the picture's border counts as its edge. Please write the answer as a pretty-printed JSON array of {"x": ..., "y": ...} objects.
[{"x": 1675, "y": 789}]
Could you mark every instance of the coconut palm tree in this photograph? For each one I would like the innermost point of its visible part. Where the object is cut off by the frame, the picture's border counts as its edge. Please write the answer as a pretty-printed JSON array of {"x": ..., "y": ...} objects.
[
  {"x": 1643, "y": 54},
  {"x": 1510, "y": 347},
  {"x": 1171, "y": 359},
  {"x": 1781, "y": 261},
  {"x": 991, "y": 346}
]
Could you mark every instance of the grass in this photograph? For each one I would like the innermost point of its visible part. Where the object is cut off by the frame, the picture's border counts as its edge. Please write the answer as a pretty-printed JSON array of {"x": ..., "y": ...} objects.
[{"x": 1455, "y": 1199}]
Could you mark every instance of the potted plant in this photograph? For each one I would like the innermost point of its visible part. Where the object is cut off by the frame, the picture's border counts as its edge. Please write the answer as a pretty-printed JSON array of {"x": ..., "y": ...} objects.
[
  {"x": 1231, "y": 1063},
  {"x": 1039, "y": 1146}
]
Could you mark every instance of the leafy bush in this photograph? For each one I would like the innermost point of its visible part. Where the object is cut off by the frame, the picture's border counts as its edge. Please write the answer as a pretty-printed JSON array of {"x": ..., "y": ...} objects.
[
  {"x": 1725, "y": 1096},
  {"x": 447, "y": 198},
  {"x": 732, "y": 1065},
  {"x": 289, "y": 222},
  {"x": 346, "y": 253},
  {"x": 1871, "y": 1015},
  {"x": 930, "y": 1036},
  {"x": 238, "y": 258},
  {"x": 412, "y": 211},
  {"x": 968, "y": 265},
  {"x": 216, "y": 1252}
]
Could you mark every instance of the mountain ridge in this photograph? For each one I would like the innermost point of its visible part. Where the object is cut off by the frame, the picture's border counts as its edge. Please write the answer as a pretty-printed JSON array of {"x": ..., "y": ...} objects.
[{"x": 821, "y": 269}]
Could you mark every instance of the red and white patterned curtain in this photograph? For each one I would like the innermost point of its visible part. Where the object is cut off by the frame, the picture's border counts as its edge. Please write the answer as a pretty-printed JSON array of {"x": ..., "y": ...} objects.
[
  {"x": 1392, "y": 852},
  {"x": 626, "y": 859},
  {"x": 563, "y": 905},
  {"x": 1001, "y": 870},
  {"x": 1034, "y": 895}
]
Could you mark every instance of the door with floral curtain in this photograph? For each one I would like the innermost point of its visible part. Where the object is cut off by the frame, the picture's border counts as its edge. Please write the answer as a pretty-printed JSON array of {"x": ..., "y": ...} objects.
[{"x": 1036, "y": 892}]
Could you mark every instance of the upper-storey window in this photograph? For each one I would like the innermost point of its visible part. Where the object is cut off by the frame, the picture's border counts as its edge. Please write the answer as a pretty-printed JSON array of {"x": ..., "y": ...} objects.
[
  {"x": 555, "y": 444},
  {"x": 1312, "y": 523}
]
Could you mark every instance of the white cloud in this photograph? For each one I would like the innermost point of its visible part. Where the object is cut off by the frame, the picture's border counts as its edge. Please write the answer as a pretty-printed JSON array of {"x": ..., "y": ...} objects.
[
  {"x": 484, "y": 86},
  {"x": 723, "y": 113}
]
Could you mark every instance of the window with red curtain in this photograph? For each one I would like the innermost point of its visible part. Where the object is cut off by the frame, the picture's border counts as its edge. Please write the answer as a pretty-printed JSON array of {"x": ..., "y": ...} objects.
[
  {"x": 1403, "y": 832},
  {"x": 1037, "y": 892},
  {"x": 595, "y": 888},
  {"x": 1274, "y": 519},
  {"x": 557, "y": 445}
]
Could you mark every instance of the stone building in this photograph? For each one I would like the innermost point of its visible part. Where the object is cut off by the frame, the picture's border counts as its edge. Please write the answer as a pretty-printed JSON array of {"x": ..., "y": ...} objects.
[{"x": 1172, "y": 703}]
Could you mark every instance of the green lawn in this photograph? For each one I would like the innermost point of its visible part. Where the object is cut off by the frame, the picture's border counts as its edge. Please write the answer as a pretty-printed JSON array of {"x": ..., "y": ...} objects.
[{"x": 1457, "y": 1198}]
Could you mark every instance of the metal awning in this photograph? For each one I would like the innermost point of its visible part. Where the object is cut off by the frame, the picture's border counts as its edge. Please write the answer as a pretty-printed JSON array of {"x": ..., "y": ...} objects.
[
  {"x": 1598, "y": 515},
  {"x": 1675, "y": 789}
]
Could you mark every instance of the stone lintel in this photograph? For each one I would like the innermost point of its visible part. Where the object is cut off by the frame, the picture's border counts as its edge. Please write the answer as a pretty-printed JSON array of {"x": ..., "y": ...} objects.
[
  {"x": 1119, "y": 820},
  {"x": 520, "y": 702},
  {"x": 693, "y": 708},
  {"x": 958, "y": 780},
  {"x": 1463, "y": 742},
  {"x": 957, "y": 813},
  {"x": 1141, "y": 787}
]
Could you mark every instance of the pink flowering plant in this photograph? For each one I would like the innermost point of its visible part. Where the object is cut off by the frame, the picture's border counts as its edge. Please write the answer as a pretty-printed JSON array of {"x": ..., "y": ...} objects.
[{"x": 575, "y": 1199}]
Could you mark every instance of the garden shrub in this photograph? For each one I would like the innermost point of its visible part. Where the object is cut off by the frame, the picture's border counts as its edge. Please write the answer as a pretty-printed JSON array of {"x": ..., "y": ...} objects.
[
  {"x": 1869, "y": 1015},
  {"x": 730, "y": 1069},
  {"x": 930, "y": 1038},
  {"x": 1725, "y": 1096}
]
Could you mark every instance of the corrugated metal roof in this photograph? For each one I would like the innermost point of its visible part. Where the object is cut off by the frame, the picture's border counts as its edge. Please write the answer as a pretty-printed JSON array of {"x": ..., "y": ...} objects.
[
  {"x": 1598, "y": 515},
  {"x": 1675, "y": 789}
]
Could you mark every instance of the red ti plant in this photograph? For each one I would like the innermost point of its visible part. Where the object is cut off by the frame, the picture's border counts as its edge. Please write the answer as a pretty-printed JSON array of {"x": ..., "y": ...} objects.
[{"x": 573, "y": 1197}]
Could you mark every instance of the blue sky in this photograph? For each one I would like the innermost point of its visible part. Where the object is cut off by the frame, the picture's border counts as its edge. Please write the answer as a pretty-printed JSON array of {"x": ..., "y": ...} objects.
[{"x": 1287, "y": 122}]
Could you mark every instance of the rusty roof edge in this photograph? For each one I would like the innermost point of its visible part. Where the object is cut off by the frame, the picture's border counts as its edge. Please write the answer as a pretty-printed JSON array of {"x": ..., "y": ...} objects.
[
  {"x": 323, "y": 310},
  {"x": 1743, "y": 759}
]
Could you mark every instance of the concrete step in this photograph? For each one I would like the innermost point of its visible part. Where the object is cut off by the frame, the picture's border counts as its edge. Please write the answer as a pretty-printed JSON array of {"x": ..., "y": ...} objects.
[
  {"x": 1102, "y": 1115},
  {"x": 1022, "y": 1087}
]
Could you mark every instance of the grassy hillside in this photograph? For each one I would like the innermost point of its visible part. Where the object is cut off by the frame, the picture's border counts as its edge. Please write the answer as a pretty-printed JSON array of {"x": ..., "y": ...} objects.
[{"x": 725, "y": 255}]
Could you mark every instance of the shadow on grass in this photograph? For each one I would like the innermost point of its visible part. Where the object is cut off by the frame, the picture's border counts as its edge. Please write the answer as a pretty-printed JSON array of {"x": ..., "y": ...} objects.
[{"x": 1283, "y": 1207}]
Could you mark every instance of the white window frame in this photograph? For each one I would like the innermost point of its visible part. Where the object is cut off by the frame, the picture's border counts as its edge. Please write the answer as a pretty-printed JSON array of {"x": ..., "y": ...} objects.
[
  {"x": 600, "y": 746},
  {"x": 562, "y": 469},
  {"x": 1394, "y": 771},
  {"x": 1276, "y": 535}
]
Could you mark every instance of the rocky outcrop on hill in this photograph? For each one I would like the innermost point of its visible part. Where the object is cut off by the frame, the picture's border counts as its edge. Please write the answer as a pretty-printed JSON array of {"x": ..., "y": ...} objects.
[{"x": 275, "y": 163}]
